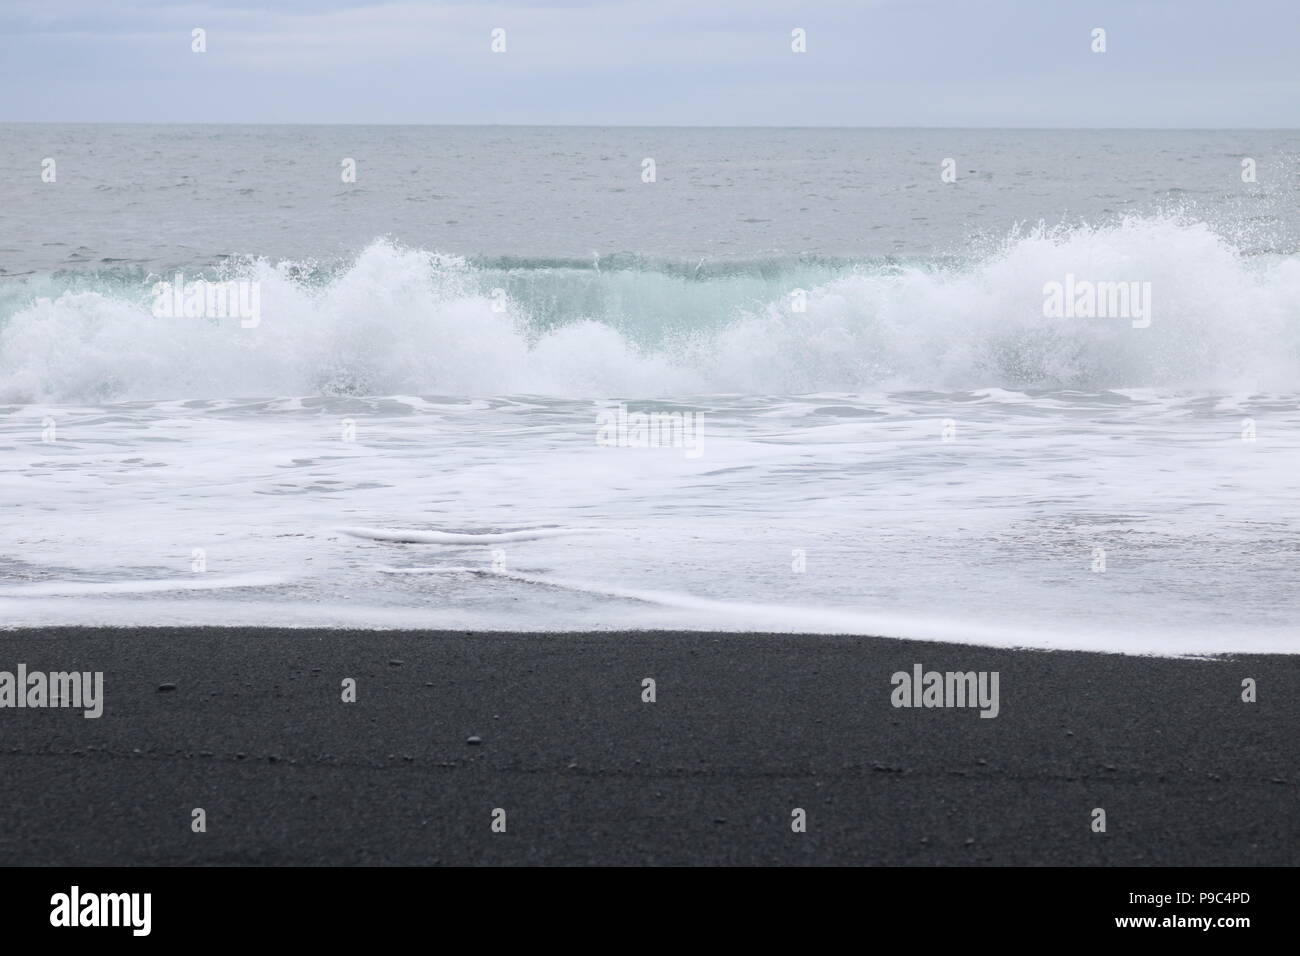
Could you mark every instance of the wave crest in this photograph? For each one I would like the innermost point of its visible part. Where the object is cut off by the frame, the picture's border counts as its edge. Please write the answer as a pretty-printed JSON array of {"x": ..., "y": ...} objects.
[{"x": 403, "y": 321}]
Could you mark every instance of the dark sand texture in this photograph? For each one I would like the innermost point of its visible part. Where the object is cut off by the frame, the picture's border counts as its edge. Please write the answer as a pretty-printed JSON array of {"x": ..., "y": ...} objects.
[{"x": 746, "y": 727}]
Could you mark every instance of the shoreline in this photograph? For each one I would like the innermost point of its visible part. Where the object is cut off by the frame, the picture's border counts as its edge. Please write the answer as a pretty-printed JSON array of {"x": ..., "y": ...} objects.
[{"x": 249, "y": 725}]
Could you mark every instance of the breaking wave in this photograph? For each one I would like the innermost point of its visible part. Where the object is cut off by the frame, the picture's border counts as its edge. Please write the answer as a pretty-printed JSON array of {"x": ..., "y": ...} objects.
[{"x": 398, "y": 320}]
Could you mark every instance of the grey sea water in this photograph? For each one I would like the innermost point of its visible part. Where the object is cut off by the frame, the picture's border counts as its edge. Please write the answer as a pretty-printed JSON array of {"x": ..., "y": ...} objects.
[
  {"x": 163, "y": 197},
  {"x": 895, "y": 437}
]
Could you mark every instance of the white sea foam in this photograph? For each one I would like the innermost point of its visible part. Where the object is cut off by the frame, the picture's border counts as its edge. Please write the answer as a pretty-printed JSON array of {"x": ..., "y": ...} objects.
[
  {"x": 196, "y": 582},
  {"x": 1137, "y": 448},
  {"x": 403, "y": 321},
  {"x": 419, "y": 536}
]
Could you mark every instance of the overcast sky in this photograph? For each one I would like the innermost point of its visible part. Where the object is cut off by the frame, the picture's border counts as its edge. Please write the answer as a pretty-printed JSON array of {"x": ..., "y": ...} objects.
[{"x": 1168, "y": 63}]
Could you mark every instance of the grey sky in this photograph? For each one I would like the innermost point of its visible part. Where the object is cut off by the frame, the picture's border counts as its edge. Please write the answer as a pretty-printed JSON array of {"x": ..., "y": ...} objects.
[{"x": 1169, "y": 63}]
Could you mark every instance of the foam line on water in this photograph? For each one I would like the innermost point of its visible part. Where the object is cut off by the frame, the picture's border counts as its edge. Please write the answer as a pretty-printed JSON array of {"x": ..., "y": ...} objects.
[
  {"x": 748, "y": 616},
  {"x": 417, "y": 536},
  {"x": 154, "y": 586}
]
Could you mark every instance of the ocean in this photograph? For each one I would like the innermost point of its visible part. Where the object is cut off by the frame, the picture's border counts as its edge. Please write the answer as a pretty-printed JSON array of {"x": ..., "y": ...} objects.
[{"x": 535, "y": 379}]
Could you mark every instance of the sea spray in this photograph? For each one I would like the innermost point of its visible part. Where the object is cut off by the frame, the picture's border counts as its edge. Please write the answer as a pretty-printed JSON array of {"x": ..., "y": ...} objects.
[{"x": 402, "y": 321}]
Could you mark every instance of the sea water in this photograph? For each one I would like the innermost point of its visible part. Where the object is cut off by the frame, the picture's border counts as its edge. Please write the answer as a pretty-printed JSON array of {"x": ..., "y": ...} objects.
[{"x": 797, "y": 382}]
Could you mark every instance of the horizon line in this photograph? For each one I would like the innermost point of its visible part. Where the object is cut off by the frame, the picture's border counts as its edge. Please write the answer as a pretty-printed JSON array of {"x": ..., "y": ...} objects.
[{"x": 1099, "y": 129}]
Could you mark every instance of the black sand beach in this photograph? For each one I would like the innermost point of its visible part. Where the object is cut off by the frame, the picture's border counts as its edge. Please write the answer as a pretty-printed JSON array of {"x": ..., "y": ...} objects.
[{"x": 248, "y": 724}]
